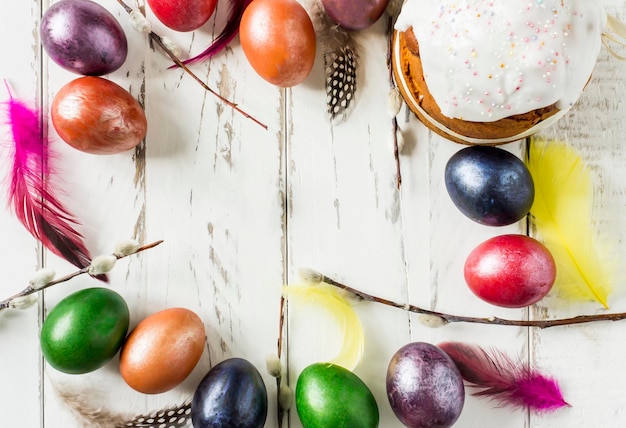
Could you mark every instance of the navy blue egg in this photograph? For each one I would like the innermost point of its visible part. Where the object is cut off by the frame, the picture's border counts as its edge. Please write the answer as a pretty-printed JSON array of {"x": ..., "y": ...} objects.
[
  {"x": 489, "y": 185},
  {"x": 231, "y": 395}
]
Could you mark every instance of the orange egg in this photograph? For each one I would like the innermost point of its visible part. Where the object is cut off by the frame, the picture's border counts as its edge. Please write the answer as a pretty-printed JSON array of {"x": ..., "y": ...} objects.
[
  {"x": 162, "y": 350},
  {"x": 278, "y": 39},
  {"x": 98, "y": 116}
]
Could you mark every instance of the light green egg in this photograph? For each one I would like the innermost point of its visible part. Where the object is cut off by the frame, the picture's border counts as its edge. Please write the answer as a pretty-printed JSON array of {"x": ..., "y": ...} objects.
[{"x": 328, "y": 395}]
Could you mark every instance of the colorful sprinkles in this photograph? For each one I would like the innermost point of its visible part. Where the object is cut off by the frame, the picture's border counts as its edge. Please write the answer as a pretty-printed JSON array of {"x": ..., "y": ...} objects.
[{"x": 506, "y": 57}]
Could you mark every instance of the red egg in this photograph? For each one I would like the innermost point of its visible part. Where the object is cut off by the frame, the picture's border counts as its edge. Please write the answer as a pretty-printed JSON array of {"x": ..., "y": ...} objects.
[
  {"x": 97, "y": 116},
  {"x": 278, "y": 39},
  {"x": 162, "y": 350},
  {"x": 512, "y": 271},
  {"x": 183, "y": 15}
]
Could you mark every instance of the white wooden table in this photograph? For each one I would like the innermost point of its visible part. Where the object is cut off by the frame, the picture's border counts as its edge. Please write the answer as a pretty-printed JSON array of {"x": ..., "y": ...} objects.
[{"x": 241, "y": 209}]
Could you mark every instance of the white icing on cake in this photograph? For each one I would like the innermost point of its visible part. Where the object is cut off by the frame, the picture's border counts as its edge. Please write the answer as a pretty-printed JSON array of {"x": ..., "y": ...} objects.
[{"x": 484, "y": 60}]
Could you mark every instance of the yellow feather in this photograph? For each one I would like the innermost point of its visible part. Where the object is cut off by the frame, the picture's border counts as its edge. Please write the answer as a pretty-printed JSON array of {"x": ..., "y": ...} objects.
[
  {"x": 332, "y": 300},
  {"x": 561, "y": 213}
]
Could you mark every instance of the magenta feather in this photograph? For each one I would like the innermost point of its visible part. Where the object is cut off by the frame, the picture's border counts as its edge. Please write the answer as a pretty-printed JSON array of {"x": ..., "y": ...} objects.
[
  {"x": 33, "y": 203},
  {"x": 237, "y": 7},
  {"x": 497, "y": 376}
]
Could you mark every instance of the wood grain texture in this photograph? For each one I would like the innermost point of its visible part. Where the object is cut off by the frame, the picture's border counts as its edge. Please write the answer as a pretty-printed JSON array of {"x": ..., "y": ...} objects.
[
  {"x": 241, "y": 209},
  {"x": 587, "y": 359},
  {"x": 345, "y": 217},
  {"x": 20, "y": 360}
]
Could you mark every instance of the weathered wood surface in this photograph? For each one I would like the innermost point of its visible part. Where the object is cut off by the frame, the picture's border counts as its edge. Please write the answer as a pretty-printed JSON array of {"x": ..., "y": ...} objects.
[{"x": 241, "y": 209}]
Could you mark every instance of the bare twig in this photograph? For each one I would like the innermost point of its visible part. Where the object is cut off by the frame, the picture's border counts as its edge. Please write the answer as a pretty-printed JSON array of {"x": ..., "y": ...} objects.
[
  {"x": 159, "y": 41},
  {"x": 281, "y": 325},
  {"x": 392, "y": 84},
  {"x": 314, "y": 276},
  {"x": 6, "y": 303}
]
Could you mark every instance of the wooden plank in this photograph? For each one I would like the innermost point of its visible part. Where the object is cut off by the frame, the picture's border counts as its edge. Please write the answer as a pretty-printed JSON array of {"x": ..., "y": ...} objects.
[
  {"x": 452, "y": 236},
  {"x": 586, "y": 359},
  {"x": 107, "y": 195},
  {"x": 345, "y": 216},
  {"x": 348, "y": 220},
  {"x": 20, "y": 361},
  {"x": 206, "y": 181}
]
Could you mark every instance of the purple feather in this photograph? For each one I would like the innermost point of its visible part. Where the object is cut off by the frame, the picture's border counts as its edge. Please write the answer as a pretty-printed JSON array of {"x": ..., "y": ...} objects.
[
  {"x": 229, "y": 32},
  {"x": 35, "y": 206},
  {"x": 495, "y": 375}
]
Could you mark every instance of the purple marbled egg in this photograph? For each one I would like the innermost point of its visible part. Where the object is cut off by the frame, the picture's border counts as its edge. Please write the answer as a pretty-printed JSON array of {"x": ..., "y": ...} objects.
[
  {"x": 354, "y": 15},
  {"x": 424, "y": 387},
  {"x": 83, "y": 37}
]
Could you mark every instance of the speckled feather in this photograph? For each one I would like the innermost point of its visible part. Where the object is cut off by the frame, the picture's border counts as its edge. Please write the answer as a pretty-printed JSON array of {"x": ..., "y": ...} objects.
[
  {"x": 341, "y": 60},
  {"x": 177, "y": 416},
  {"x": 174, "y": 417}
]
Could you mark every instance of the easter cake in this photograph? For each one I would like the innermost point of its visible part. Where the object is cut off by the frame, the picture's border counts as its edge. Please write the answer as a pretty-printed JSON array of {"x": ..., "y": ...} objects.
[{"x": 491, "y": 72}]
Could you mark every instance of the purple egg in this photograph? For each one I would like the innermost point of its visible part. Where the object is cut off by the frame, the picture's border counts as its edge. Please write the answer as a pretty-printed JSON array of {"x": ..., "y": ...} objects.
[
  {"x": 424, "y": 387},
  {"x": 83, "y": 37},
  {"x": 354, "y": 15}
]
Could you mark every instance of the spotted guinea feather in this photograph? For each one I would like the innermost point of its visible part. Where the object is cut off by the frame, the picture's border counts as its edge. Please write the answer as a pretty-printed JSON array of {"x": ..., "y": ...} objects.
[
  {"x": 340, "y": 80},
  {"x": 173, "y": 417},
  {"x": 341, "y": 59},
  {"x": 87, "y": 415}
]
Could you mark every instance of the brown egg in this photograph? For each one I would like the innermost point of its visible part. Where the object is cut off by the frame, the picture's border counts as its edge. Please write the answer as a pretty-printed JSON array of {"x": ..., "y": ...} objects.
[
  {"x": 97, "y": 116},
  {"x": 162, "y": 350}
]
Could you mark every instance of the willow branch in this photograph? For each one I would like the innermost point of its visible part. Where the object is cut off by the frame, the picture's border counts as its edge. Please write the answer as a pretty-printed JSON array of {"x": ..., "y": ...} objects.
[
  {"x": 281, "y": 325},
  {"x": 316, "y": 277},
  {"x": 159, "y": 41},
  {"x": 6, "y": 303},
  {"x": 394, "y": 120}
]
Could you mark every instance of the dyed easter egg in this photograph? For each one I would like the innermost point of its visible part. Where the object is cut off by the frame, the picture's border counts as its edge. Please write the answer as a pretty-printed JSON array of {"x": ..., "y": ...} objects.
[
  {"x": 232, "y": 394},
  {"x": 84, "y": 330},
  {"x": 278, "y": 39},
  {"x": 183, "y": 15},
  {"x": 97, "y": 116},
  {"x": 328, "y": 395},
  {"x": 355, "y": 15},
  {"x": 424, "y": 387},
  {"x": 83, "y": 37},
  {"x": 513, "y": 271},
  {"x": 162, "y": 350},
  {"x": 489, "y": 185}
]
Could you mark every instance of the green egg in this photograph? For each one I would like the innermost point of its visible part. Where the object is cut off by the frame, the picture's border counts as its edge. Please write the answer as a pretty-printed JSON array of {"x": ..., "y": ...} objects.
[
  {"x": 84, "y": 330},
  {"x": 328, "y": 395}
]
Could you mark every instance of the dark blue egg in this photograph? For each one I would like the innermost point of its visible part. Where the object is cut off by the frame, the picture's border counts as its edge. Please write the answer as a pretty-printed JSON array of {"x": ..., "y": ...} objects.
[
  {"x": 489, "y": 185},
  {"x": 231, "y": 395}
]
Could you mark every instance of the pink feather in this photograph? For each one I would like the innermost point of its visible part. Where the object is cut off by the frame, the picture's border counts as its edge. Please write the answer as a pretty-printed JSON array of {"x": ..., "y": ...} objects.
[
  {"x": 237, "y": 7},
  {"x": 33, "y": 203},
  {"x": 495, "y": 375}
]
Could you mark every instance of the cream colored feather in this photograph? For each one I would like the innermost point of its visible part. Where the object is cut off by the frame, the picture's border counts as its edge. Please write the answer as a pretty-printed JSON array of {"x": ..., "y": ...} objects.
[
  {"x": 334, "y": 301},
  {"x": 561, "y": 213},
  {"x": 88, "y": 416}
]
